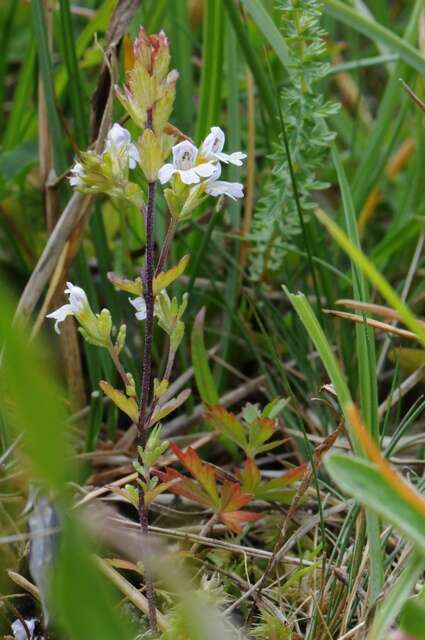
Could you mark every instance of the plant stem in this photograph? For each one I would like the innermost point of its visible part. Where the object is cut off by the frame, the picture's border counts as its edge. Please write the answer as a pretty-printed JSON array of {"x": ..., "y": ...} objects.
[
  {"x": 118, "y": 365},
  {"x": 166, "y": 246},
  {"x": 146, "y": 384}
]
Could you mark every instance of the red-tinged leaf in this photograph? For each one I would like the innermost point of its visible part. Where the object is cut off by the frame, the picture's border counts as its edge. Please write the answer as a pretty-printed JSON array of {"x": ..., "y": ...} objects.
[
  {"x": 293, "y": 475},
  {"x": 227, "y": 424},
  {"x": 203, "y": 473},
  {"x": 235, "y": 519},
  {"x": 274, "y": 490},
  {"x": 261, "y": 430},
  {"x": 185, "y": 487},
  {"x": 232, "y": 497},
  {"x": 249, "y": 476}
]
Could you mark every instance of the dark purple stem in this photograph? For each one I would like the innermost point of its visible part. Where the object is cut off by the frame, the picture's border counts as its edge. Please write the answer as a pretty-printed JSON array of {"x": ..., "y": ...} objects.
[{"x": 146, "y": 384}]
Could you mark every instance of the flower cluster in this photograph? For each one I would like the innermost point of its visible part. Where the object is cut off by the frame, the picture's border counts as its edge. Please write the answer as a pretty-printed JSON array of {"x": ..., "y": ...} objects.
[
  {"x": 201, "y": 168},
  {"x": 150, "y": 86},
  {"x": 96, "y": 328},
  {"x": 108, "y": 172}
]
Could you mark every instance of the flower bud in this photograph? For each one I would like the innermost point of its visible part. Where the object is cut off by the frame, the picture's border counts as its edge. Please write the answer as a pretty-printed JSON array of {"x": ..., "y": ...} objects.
[
  {"x": 165, "y": 101},
  {"x": 150, "y": 155},
  {"x": 120, "y": 341}
]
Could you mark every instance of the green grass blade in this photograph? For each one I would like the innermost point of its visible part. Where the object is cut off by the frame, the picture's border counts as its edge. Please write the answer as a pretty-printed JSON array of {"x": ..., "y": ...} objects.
[
  {"x": 20, "y": 107},
  {"x": 254, "y": 62},
  {"x": 4, "y": 45},
  {"x": 265, "y": 23},
  {"x": 397, "y": 596},
  {"x": 74, "y": 84},
  {"x": 373, "y": 160},
  {"x": 203, "y": 376},
  {"x": 377, "y": 32},
  {"x": 365, "y": 336},
  {"x": 316, "y": 333},
  {"x": 212, "y": 59},
  {"x": 47, "y": 79},
  {"x": 374, "y": 277},
  {"x": 182, "y": 60}
]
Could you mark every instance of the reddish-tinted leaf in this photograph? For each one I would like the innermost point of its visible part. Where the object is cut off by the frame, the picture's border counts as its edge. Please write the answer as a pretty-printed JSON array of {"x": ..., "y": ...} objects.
[
  {"x": 261, "y": 430},
  {"x": 227, "y": 424},
  {"x": 235, "y": 519},
  {"x": 203, "y": 473},
  {"x": 232, "y": 497},
  {"x": 273, "y": 490},
  {"x": 185, "y": 487},
  {"x": 249, "y": 476}
]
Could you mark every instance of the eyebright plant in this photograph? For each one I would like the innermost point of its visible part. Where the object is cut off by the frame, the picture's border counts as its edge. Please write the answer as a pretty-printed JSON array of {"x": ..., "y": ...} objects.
[{"x": 193, "y": 175}]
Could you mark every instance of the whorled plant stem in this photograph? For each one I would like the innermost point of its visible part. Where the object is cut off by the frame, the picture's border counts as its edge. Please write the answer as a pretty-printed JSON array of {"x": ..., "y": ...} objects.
[{"x": 146, "y": 384}]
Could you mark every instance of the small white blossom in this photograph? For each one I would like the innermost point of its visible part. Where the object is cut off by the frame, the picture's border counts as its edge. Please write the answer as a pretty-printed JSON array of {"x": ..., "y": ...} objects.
[
  {"x": 140, "y": 305},
  {"x": 185, "y": 156},
  {"x": 118, "y": 146},
  {"x": 20, "y": 632},
  {"x": 77, "y": 172},
  {"x": 212, "y": 149},
  {"x": 119, "y": 139},
  {"x": 78, "y": 303},
  {"x": 215, "y": 187},
  {"x": 233, "y": 190}
]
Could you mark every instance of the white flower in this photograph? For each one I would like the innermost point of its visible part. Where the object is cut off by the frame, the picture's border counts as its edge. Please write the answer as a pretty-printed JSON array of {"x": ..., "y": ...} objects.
[
  {"x": 78, "y": 303},
  {"x": 185, "y": 155},
  {"x": 216, "y": 188},
  {"x": 20, "y": 631},
  {"x": 77, "y": 172},
  {"x": 140, "y": 305},
  {"x": 212, "y": 147},
  {"x": 119, "y": 139},
  {"x": 233, "y": 190}
]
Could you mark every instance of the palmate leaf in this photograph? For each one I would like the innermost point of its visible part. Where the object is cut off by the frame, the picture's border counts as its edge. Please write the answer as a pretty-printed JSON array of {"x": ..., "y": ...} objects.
[
  {"x": 275, "y": 490},
  {"x": 226, "y": 502},
  {"x": 259, "y": 431},
  {"x": 185, "y": 487},
  {"x": 227, "y": 424},
  {"x": 252, "y": 439},
  {"x": 203, "y": 473}
]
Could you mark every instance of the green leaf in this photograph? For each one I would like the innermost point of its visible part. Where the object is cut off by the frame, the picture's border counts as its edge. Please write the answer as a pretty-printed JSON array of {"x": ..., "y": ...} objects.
[
  {"x": 203, "y": 376},
  {"x": 412, "y": 619},
  {"x": 395, "y": 597},
  {"x": 77, "y": 601},
  {"x": 363, "y": 480},
  {"x": 127, "y": 405},
  {"x": 31, "y": 402}
]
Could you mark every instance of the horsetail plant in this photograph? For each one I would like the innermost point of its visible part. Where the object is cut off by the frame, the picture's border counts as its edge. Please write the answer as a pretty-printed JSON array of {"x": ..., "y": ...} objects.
[{"x": 194, "y": 173}]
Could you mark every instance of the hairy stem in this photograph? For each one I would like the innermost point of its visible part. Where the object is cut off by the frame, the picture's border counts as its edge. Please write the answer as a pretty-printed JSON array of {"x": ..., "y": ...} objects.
[{"x": 146, "y": 383}]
